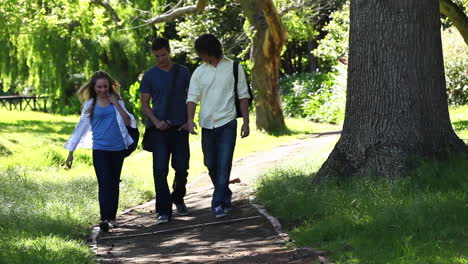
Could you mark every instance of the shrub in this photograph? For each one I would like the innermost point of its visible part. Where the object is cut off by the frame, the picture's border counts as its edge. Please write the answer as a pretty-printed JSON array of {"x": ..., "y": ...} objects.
[
  {"x": 297, "y": 90},
  {"x": 456, "y": 67},
  {"x": 319, "y": 97},
  {"x": 334, "y": 46}
]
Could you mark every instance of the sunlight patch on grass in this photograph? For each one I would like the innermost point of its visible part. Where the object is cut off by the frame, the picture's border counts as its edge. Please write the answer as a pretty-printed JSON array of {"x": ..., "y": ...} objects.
[
  {"x": 43, "y": 249},
  {"x": 418, "y": 219}
]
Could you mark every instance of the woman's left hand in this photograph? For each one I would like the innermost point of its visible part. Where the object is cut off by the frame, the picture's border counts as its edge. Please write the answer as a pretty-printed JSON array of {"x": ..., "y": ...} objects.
[{"x": 113, "y": 99}]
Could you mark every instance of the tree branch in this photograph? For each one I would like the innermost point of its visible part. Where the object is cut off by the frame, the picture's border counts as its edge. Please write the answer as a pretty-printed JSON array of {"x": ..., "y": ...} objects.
[
  {"x": 457, "y": 16},
  {"x": 177, "y": 12}
]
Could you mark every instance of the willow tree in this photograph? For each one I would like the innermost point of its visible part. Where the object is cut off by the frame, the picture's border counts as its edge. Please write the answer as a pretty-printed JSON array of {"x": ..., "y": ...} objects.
[
  {"x": 396, "y": 107},
  {"x": 54, "y": 45}
]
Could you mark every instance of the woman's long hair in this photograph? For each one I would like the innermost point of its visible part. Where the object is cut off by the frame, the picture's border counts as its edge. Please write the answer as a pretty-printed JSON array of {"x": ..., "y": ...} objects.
[{"x": 87, "y": 91}]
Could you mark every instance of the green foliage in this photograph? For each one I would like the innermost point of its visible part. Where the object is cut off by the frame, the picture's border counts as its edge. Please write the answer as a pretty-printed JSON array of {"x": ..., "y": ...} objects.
[
  {"x": 223, "y": 19},
  {"x": 298, "y": 90},
  {"x": 334, "y": 45},
  {"x": 458, "y": 116},
  {"x": 134, "y": 103},
  {"x": 319, "y": 97},
  {"x": 47, "y": 43},
  {"x": 456, "y": 66},
  {"x": 418, "y": 219}
]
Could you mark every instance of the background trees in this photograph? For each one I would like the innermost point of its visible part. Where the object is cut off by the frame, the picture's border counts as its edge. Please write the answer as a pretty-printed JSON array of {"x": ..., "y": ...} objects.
[{"x": 50, "y": 48}]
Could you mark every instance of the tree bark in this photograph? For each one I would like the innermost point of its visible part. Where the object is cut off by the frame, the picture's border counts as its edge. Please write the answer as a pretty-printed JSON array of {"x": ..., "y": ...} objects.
[
  {"x": 269, "y": 39},
  {"x": 396, "y": 108},
  {"x": 457, "y": 16}
]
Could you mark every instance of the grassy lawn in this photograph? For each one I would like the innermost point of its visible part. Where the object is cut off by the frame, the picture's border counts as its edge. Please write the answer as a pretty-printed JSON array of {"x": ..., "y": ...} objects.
[
  {"x": 417, "y": 220},
  {"x": 46, "y": 210}
]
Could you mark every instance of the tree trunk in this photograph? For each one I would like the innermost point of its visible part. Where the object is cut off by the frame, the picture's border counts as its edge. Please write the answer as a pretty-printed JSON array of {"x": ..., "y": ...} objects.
[
  {"x": 313, "y": 61},
  {"x": 267, "y": 44},
  {"x": 457, "y": 16},
  {"x": 396, "y": 107}
]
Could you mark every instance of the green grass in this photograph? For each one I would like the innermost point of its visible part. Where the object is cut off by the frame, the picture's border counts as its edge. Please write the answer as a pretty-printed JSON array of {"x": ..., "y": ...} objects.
[
  {"x": 46, "y": 210},
  {"x": 459, "y": 118},
  {"x": 419, "y": 219}
]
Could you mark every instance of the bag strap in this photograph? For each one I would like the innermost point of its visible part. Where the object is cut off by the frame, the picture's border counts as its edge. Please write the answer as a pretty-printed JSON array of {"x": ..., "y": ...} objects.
[
  {"x": 235, "y": 71},
  {"x": 173, "y": 86}
]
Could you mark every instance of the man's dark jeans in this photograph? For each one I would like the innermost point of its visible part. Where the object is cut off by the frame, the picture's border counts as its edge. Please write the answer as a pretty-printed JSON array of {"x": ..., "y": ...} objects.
[
  {"x": 218, "y": 148},
  {"x": 171, "y": 144},
  {"x": 108, "y": 166}
]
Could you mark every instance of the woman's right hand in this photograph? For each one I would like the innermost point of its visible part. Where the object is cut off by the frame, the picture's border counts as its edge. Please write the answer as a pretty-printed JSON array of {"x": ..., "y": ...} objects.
[{"x": 69, "y": 161}]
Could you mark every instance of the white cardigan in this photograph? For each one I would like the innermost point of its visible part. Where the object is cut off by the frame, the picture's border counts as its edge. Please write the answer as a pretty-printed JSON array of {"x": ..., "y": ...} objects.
[{"x": 82, "y": 137}]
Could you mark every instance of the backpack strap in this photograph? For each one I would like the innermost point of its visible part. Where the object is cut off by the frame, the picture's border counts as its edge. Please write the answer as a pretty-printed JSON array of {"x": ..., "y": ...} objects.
[
  {"x": 173, "y": 85},
  {"x": 235, "y": 71}
]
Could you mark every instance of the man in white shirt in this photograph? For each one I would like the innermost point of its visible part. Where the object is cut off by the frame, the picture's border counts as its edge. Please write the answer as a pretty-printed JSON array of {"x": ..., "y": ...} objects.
[{"x": 212, "y": 84}]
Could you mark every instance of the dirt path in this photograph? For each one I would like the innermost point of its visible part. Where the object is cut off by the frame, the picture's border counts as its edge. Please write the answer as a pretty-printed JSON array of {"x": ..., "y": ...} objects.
[{"x": 244, "y": 236}]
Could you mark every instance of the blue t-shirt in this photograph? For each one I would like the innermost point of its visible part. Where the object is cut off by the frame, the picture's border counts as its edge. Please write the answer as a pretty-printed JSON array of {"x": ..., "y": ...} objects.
[
  {"x": 106, "y": 131},
  {"x": 158, "y": 83}
]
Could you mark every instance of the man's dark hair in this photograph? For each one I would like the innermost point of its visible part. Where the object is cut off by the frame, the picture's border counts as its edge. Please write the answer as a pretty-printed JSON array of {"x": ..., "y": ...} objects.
[
  {"x": 160, "y": 43},
  {"x": 208, "y": 44}
]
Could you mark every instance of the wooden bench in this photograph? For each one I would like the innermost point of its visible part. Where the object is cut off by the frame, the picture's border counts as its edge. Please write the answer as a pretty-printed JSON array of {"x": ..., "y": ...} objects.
[{"x": 22, "y": 102}]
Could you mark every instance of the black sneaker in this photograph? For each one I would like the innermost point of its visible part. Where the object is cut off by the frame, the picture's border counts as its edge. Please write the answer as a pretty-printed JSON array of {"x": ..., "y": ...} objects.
[
  {"x": 182, "y": 209},
  {"x": 227, "y": 209},
  {"x": 104, "y": 226},
  {"x": 219, "y": 212},
  {"x": 113, "y": 224},
  {"x": 162, "y": 219}
]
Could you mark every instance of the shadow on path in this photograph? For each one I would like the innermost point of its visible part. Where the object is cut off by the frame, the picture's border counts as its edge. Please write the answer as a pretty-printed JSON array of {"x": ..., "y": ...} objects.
[{"x": 244, "y": 236}]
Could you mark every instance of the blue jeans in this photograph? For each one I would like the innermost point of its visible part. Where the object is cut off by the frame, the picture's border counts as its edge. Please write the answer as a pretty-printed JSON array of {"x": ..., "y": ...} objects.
[
  {"x": 218, "y": 148},
  {"x": 108, "y": 166},
  {"x": 174, "y": 145}
]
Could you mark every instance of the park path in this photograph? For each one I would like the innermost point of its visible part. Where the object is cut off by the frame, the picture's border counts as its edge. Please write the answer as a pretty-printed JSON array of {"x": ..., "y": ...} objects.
[{"x": 247, "y": 235}]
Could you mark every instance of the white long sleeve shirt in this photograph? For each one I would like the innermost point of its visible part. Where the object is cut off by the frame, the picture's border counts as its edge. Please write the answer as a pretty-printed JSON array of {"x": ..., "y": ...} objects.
[
  {"x": 82, "y": 137},
  {"x": 213, "y": 87}
]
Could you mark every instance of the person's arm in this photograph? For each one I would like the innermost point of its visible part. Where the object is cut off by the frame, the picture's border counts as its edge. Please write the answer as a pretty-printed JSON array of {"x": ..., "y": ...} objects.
[
  {"x": 78, "y": 133},
  {"x": 114, "y": 100},
  {"x": 243, "y": 95},
  {"x": 193, "y": 97},
  {"x": 186, "y": 89},
  {"x": 244, "y": 108},
  {"x": 148, "y": 112},
  {"x": 191, "y": 126}
]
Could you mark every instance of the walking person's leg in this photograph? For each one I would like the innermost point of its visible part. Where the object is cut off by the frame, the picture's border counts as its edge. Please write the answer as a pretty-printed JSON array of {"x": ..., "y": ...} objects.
[
  {"x": 117, "y": 159},
  {"x": 180, "y": 163},
  {"x": 209, "y": 155},
  {"x": 218, "y": 149},
  {"x": 160, "y": 170},
  {"x": 102, "y": 168},
  {"x": 226, "y": 142}
]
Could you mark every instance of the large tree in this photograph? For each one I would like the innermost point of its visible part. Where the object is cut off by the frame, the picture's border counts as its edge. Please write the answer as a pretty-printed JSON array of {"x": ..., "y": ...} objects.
[{"x": 396, "y": 107}]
